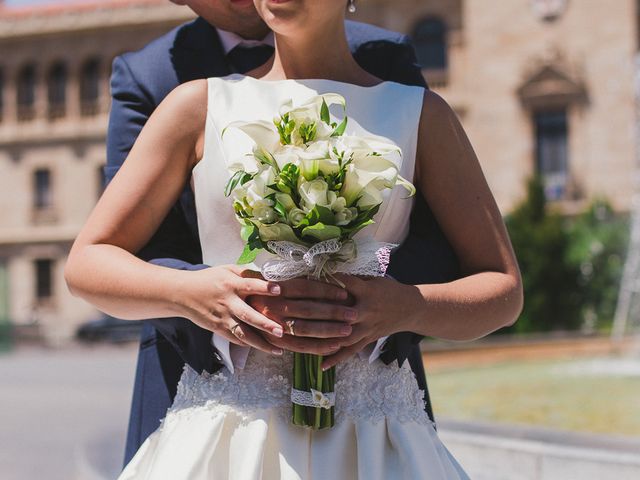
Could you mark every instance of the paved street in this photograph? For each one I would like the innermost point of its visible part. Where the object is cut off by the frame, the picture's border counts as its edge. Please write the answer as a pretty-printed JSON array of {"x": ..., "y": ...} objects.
[
  {"x": 63, "y": 413},
  {"x": 63, "y": 416}
]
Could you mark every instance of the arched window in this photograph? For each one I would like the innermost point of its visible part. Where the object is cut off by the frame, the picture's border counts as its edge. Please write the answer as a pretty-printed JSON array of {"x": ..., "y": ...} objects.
[
  {"x": 57, "y": 90},
  {"x": 90, "y": 87},
  {"x": 26, "y": 97},
  {"x": 430, "y": 40}
]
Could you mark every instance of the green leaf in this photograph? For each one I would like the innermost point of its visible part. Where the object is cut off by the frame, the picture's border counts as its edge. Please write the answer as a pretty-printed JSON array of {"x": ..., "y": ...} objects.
[
  {"x": 324, "y": 113},
  {"x": 318, "y": 214},
  {"x": 240, "y": 177},
  {"x": 340, "y": 128},
  {"x": 322, "y": 232},
  {"x": 353, "y": 229},
  {"x": 278, "y": 207},
  {"x": 246, "y": 230},
  {"x": 248, "y": 255}
]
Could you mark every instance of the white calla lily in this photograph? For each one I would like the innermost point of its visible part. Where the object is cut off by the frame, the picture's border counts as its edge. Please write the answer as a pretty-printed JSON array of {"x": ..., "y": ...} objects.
[
  {"x": 310, "y": 111},
  {"x": 263, "y": 133}
]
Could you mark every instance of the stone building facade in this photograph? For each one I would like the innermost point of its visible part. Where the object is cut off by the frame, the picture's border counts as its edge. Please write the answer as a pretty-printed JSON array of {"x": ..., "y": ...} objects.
[
  {"x": 544, "y": 85},
  {"x": 55, "y": 65},
  {"x": 540, "y": 85}
]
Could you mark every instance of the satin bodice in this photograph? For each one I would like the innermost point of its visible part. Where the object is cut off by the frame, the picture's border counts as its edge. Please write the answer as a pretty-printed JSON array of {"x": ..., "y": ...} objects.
[{"x": 388, "y": 109}]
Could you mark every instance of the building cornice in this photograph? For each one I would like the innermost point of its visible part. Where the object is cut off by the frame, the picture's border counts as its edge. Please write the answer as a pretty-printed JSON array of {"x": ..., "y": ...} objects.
[{"x": 92, "y": 15}]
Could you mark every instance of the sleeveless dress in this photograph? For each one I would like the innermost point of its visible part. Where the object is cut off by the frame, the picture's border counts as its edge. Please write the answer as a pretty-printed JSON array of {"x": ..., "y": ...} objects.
[{"x": 236, "y": 423}]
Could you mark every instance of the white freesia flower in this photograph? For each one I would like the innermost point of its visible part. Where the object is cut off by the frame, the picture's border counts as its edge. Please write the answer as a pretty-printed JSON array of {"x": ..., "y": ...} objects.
[
  {"x": 257, "y": 188},
  {"x": 285, "y": 200},
  {"x": 346, "y": 216},
  {"x": 277, "y": 231},
  {"x": 339, "y": 205},
  {"x": 264, "y": 213},
  {"x": 295, "y": 216},
  {"x": 316, "y": 192}
]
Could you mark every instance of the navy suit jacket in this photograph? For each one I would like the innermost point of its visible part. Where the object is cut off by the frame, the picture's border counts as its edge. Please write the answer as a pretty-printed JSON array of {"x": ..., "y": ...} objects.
[{"x": 140, "y": 81}]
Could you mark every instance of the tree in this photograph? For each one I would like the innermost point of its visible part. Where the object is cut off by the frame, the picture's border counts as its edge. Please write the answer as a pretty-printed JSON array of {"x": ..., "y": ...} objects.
[{"x": 542, "y": 244}]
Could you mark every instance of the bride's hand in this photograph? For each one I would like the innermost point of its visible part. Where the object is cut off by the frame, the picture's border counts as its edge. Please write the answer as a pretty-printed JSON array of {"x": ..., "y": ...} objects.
[
  {"x": 215, "y": 299},
  {"x": 384, "y": 307}
]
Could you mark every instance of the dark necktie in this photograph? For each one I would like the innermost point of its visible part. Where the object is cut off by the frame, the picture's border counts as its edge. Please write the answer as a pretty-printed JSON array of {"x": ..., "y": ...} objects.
[{"x": 242, "y": 58}]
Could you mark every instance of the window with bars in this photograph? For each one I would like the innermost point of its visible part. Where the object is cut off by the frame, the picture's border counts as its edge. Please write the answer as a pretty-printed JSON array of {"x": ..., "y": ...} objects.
[
  {"x": 90, "y": 87},
  {"x": 26, "y": 93},
  {"x": 430, "y": 40},
  {"x": 552, "y": 162},
  {"x": 42, "y": 194},
  {"x": 44, "y": 278},
  {"x": 57, "y": 90}
]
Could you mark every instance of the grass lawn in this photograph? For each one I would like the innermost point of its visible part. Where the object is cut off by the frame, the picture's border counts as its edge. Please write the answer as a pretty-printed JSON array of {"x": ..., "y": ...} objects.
[{"x": 543, "y": 393}]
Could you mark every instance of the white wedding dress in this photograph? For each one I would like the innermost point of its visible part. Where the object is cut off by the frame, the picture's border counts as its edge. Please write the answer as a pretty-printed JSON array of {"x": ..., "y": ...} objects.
[{"x": 236, "y": 423}]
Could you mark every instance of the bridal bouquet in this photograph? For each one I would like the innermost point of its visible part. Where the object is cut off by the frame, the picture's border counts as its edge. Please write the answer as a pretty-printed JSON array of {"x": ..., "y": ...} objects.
[{"x": 302, "y": 194}]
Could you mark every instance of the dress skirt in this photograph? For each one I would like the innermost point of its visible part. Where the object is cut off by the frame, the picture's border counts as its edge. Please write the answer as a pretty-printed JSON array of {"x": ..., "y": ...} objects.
[{"x": 238, "y": 426}]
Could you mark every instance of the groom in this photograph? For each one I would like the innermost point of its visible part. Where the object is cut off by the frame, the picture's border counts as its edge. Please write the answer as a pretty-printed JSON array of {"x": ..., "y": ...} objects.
[{"x": 229, "y": 37}]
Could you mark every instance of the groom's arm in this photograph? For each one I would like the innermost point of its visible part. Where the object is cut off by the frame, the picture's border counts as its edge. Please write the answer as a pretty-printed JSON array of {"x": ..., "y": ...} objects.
[{"x": 173, "y": 245}]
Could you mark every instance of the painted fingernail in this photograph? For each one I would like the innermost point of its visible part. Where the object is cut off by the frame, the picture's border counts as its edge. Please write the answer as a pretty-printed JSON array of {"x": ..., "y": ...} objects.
[
  {"x": 351, "y": 314},
  {"x": 343, "y": 295},
  {"x": 275, "y": 289},
  {"x": 276, "y": 351},
  {"x": 345, "y": 330},
  {"x": 278, "y": 332}
]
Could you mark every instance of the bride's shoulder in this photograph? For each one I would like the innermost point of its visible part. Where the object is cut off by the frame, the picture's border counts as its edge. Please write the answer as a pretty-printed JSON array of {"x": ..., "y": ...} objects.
[
  {"x": 186, "y": 105},
  {"x": 189, "y": 94},
  {"x": 435, "y": 110}
]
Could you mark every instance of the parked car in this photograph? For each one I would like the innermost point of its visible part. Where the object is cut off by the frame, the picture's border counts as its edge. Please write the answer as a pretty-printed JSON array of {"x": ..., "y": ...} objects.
[{"x": 110, "y": 329}]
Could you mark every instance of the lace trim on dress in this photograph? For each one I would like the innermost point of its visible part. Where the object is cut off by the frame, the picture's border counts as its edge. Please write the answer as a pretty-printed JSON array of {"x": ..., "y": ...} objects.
[{"x": 364, "y": 391}]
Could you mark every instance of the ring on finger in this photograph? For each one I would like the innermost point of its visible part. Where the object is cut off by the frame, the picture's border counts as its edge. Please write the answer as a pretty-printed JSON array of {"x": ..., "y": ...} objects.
[
  {"x": 233, "y": 329},
  {"x": 290, "y": 325}
]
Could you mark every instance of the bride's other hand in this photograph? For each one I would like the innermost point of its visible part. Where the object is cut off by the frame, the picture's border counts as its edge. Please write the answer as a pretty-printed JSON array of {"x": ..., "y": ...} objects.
[
  {"x": 488, "y": 295},
  {"x": 216, "y": 299},
  {"x": 319, "y": 311},
  {"x": 383, "y": 306}
]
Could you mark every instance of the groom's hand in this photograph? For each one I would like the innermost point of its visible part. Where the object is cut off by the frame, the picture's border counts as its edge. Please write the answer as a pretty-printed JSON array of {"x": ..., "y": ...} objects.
[{"x": 320, "y": 313}]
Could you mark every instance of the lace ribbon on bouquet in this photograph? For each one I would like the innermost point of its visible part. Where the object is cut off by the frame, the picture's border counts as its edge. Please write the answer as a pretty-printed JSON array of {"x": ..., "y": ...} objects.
[
  {"x": 326, "y": 258},
  {"x": 314, "y": 398}
]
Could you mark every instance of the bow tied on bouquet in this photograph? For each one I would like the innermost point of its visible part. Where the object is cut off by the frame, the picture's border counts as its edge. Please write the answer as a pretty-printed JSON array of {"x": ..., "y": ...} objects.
[{"x": 302, "y": 194}]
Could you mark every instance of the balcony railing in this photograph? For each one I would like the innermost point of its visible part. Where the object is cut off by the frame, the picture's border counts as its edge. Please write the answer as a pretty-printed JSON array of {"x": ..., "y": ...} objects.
[
  {"x": 89, "y": 109},
  {"x": 26, "y": 113}
]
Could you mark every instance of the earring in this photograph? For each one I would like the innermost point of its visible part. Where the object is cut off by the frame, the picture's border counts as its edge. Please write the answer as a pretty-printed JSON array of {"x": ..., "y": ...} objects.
[{"x": 352, "y": 6}]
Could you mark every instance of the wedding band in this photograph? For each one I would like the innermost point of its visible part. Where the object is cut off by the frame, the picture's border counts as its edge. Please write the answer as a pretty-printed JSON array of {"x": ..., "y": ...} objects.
[
  {"x": 291, "y": 324},
  {"x": 233, "y": 329}
]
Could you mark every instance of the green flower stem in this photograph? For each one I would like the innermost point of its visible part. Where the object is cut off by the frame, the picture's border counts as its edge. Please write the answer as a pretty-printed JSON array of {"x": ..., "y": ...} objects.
[
  {"x": 308, "y": 374},
  {"x": 318, "y": 386}
]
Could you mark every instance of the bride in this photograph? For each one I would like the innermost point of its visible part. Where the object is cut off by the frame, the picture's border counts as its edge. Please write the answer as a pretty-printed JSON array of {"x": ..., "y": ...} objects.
[{"x": 236, "y": 423}]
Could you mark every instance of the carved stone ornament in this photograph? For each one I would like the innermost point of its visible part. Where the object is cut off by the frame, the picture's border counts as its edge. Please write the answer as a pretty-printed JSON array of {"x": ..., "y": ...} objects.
[{"x": 548, "y": 9}]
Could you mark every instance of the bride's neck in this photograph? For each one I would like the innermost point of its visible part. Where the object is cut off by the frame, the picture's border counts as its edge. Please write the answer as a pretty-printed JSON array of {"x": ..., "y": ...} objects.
[{"x": 325, "y": 54}]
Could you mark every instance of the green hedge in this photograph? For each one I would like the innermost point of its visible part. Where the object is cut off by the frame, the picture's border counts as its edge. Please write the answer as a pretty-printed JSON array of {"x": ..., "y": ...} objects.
[{"x": 571, "y": 266}]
